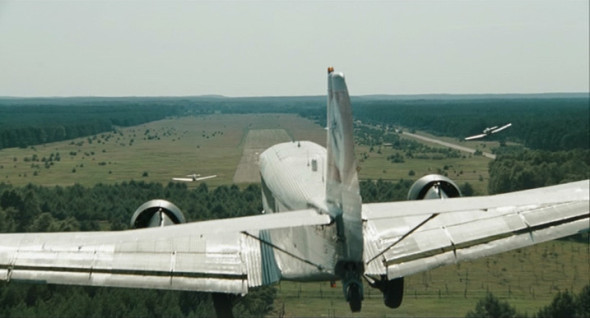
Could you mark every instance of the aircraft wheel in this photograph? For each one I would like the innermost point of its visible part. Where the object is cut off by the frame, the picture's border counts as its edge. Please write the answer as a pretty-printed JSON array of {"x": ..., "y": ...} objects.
[
  {"x": 354, "y": 298},
  {"x": 393, "y": 293}
]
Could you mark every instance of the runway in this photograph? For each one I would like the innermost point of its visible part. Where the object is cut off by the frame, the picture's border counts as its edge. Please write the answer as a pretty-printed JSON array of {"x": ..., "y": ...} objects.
[
  {"x": 257, "y": 141},
  {"x": 448, "y": 144}
]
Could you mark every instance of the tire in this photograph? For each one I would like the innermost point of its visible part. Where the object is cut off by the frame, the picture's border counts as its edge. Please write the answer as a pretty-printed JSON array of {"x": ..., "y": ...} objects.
[{"x": 354, "y": 298}]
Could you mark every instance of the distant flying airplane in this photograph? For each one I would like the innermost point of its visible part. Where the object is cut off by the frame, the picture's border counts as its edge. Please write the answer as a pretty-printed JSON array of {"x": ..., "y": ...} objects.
[
  {"x": 323, "y": 233},
  {"x": 194, "y": 177},
  {"x": 489, "y": 131}
]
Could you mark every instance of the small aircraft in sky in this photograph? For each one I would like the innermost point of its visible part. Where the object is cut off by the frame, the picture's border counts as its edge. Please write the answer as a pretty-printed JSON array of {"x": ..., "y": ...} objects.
[
  {"x": 488, "y": 131},
  {"x": 314, "y": 227},
  {"x": 194, "y": 177}
]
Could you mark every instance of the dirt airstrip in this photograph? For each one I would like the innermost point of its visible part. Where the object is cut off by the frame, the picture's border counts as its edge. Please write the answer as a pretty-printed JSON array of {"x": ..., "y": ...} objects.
[{"x": 255, "y": 143}]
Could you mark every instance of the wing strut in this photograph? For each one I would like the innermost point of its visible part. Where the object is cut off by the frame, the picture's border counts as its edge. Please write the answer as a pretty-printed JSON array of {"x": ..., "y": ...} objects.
[
  {"x": 428, "y": 219},
  {"x": 320, "y": 267}
]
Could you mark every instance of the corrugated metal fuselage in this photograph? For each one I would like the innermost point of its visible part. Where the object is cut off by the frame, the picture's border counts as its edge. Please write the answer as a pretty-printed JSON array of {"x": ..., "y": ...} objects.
[{"x": 293, "y": 178}]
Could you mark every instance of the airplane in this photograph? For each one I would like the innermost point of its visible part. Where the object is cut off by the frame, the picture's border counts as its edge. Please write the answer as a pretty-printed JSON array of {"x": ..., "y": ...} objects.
[
  {"x": 313, "y": 227},
  {"x": 194, "y": 177},
  {"x": 488, "y": 131}
]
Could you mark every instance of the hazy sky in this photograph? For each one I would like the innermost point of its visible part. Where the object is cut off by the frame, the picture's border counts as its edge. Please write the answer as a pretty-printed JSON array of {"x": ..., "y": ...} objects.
[{"x": 264, "y": 48}]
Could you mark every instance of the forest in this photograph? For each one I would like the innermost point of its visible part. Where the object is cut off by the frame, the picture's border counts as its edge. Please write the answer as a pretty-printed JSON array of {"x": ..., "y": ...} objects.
[{"x": 532, "y": 169}]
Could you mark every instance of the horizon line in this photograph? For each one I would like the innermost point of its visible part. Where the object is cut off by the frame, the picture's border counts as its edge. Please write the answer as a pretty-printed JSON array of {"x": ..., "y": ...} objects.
[{"x": 220, "y": 96}]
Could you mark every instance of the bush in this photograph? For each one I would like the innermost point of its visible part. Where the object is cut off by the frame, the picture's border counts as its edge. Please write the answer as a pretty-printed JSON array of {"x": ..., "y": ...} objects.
[
  {"x": 566, "y": 304},
  {"x": 492, "y": 307}
]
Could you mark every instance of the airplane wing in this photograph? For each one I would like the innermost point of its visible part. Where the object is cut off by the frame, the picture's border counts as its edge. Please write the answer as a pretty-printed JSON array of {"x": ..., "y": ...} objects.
[
  {"x": 183, "y": 179},
  {"x": 212, "y": 256},
  {"x": 194, "y": 179},
  {"x": 501, "y": 128},
  {"x": 205, "y": 178},
  {"x": 404, "y": 238},
  {"x": 476, "y": 137}
]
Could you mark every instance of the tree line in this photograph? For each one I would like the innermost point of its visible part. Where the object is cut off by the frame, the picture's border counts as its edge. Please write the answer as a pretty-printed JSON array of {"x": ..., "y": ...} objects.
[
  {"x": 31, "y": 121},
  {"x": 558, "y": 122},
  {"x": 528, "y": 169},
  {"x": 564, "y": 304},
  {"x": 109, "y": 207},
  {"x": 23, "y": 124}
]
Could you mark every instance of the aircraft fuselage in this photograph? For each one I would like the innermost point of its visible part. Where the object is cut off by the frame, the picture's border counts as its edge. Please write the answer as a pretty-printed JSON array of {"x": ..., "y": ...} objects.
[{"x": 293, "y": 178}]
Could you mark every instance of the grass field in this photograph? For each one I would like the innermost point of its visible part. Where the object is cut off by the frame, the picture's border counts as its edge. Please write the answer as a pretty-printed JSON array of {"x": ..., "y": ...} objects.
[
  {"x": 527, "y": 278},
  {"x": 215, "y": 144},
  {"x": 153, "y": 152},
  {"x": 472, "y": 169}
]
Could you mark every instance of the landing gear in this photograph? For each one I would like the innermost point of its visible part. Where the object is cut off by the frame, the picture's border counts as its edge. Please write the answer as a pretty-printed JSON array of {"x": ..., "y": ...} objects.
[
  {"x": 393, "y": 293},
  {"x": 354, "y": 296},
  {"x": 352, "y": 285},
  {"x": 393, "y": 290}
]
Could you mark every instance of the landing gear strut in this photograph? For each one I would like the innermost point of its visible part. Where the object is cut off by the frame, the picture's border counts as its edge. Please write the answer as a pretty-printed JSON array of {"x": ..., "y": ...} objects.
[
  {"x": 354, "y": 296},
  {"x": 352, "y": 286}
]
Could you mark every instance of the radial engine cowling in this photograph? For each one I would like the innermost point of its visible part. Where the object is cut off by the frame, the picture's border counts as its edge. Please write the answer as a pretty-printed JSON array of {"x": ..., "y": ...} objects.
[
  {"x": 156, "y": 213},
  {"x": 433, "y": 186}
]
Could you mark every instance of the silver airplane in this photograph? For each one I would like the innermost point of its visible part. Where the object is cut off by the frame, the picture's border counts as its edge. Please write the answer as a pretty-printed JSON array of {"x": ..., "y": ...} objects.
[
  {"x": 488, "y": 131},
  {"x": 314, "y": 227},
  {"x": 194, "y": 177}
]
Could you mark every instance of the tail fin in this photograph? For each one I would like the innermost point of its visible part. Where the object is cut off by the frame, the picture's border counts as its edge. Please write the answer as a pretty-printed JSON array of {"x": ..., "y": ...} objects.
[{"x": 342, "y": 187}]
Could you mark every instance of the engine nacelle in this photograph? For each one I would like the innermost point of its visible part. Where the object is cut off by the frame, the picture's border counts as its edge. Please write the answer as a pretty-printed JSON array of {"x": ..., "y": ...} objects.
[
  {"x": 433, "y": 186},
  {"x": 156, "y": 213}
]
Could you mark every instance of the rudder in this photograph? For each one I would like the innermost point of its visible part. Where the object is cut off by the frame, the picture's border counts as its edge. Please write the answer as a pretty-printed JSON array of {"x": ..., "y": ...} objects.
[{"x": 342, "y": 188}]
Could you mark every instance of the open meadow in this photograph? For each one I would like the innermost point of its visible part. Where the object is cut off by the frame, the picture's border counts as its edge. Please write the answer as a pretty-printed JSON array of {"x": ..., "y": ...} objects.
[
  {"x": 227, "y": 145},
  {"x": 212, "y": 144},
  {"x": 153, "y": 152},
  {"x": 461, "y": 169},
  {"x": 527, "y": 279}
]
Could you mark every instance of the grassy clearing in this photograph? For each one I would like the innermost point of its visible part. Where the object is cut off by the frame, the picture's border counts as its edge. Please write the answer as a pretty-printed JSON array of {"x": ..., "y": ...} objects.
[
  {"x": 153, "y": 152},
  {"x": 466, "y": 168},
  {"x": 214, "y": 144}
]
